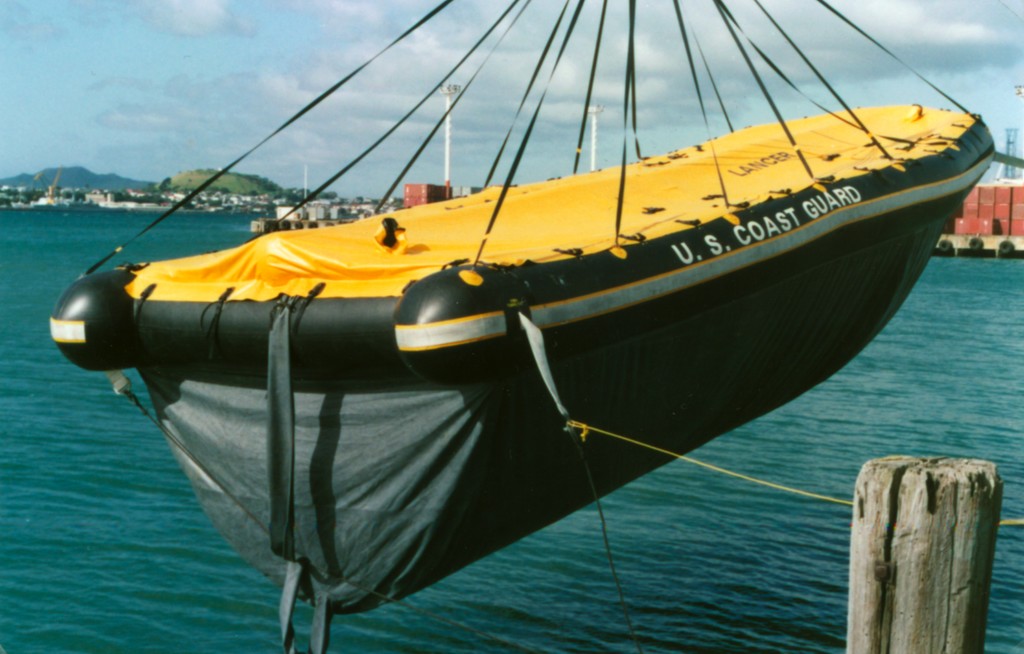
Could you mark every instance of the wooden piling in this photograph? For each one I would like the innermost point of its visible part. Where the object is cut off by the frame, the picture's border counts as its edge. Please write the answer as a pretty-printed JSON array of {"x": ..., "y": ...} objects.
[{"x": 922, "y": 544}]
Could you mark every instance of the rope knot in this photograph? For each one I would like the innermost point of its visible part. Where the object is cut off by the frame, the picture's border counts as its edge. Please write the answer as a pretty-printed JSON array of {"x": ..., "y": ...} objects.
[{"x": 582, "y": 428}]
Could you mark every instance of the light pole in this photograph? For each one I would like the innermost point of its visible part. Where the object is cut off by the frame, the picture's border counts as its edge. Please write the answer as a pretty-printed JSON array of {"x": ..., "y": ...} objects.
[
  {"x": 593, "y": 110},
  {"x": 1019, "y": 89},
  {"x": 448, "y": 91}
]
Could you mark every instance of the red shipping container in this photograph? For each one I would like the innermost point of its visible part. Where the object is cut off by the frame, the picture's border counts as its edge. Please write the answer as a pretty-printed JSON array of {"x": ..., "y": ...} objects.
[
  {"x": 973, "y": 195},
  {"x": 1003, "y": 194},
  {"x": 1017, "y": 227},
  {"x": 967, "y": 226},
  {"x": 986, "y": 211},
  {"x": 1018, "y": 195},
  {"x": 1001, "y": 225},
  {"x": 970, "y": 210},
  {"x": 1017, "y": 212},
  {"x": 985, "y": 226},
  {"x": 987, "y": 195},
  {"x": 1002, "y": 210}
]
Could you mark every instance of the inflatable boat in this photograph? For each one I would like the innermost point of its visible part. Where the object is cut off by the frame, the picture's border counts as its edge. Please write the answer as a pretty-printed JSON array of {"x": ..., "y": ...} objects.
[{"x": 378, "y": 375}]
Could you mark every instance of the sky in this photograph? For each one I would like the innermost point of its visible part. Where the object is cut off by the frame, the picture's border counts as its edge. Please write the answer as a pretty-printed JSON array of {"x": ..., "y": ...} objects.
[{"x": 148, "y": 88}]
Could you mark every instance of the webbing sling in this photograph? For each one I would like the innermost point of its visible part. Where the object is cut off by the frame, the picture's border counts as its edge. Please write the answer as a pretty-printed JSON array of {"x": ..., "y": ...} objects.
[
  {"x": 540, "y": 358},
  {"x": 281, "y": 486},
  {"x": 296, "y": 576},
  {"x": 281, "y": 433}
]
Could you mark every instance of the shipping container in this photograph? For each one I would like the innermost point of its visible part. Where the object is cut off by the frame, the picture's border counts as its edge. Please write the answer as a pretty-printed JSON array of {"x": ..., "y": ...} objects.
[
  {"x": 967, "y": 226},
  {"x": 986, "y": 195},
  {"x": 985, "y": 226},
  {"x": 1017, "y": 212},
  {"x": 417, "y": 194},
  {"x": 1003, "y": 194},
  {"x": 986, "y": 211},
  {"x": 1001, "y": 226},
  {"x": 1017, "y": 227},
  {"x": 1002, "y": 210},
  {"x": 970, "y": 210},
  {"x": 1018, "y": 195}
]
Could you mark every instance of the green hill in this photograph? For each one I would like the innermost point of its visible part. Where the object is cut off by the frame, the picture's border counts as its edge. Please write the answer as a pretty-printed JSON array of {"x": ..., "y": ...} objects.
[{"x": 229, "y": 183}]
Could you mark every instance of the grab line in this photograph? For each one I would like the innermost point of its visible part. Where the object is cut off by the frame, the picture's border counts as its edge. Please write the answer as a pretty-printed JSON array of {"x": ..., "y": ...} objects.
[{"x": 586, "y": 429}]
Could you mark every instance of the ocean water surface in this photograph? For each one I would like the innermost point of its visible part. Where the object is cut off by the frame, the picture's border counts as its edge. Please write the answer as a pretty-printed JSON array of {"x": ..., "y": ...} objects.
[{"x": 104, "y": 549}]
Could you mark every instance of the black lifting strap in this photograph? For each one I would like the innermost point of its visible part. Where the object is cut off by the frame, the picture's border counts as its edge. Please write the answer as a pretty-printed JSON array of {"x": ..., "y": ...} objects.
[
  {"x": 281, "y": 485},
  {"x": 281, "y": 433}
]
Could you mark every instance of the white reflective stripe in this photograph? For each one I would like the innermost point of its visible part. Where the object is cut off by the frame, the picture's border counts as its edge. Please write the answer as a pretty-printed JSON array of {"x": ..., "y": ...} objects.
[
  {"x": 67, "y": 331},
  {"x": 453, "y": 332}
]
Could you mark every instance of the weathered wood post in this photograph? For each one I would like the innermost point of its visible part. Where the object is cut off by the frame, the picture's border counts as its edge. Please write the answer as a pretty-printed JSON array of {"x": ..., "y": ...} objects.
[{"x": 923, "y": 539}]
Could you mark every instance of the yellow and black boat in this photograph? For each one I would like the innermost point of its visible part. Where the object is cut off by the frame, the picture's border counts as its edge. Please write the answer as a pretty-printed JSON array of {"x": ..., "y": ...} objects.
[
  {"x": 417, "y": 308},
  {"x": 360, "y": 409},
  {"x": 414, "y": 380}
]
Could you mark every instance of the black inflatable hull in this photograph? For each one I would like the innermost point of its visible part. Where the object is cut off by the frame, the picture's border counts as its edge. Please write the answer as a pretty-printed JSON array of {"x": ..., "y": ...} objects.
[
  {"x": 400, "y": 483},
  {"x": 446, "y": 330}
]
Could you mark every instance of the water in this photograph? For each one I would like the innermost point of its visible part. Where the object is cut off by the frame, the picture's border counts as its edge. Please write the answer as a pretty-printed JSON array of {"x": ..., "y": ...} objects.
[{"x": 103, "y": 548}]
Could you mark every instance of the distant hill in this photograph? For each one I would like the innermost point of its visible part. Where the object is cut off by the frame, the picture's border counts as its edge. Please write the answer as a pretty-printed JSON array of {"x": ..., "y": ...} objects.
[
  {"x": 75, "y": 177},
  {"x": 229, "y": 183}
]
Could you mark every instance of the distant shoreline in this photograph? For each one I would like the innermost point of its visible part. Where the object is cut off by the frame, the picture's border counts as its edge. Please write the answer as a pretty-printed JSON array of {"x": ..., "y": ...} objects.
[{"x": 146, "y": 210}]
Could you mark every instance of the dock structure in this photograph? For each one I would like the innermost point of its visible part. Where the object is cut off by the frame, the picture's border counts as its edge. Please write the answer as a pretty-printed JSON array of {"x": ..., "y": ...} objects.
[
  {"x": 311, "y": 216},
  {"x": 980, "y": 245},
  {"x": 990, "y": 223},
  {"x": 267, "y": 225}
]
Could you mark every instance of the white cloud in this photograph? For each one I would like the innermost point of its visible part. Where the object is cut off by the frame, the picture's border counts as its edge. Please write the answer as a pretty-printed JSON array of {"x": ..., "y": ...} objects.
[
  {"x": 194, "y": 17},
  {"x": 210, "y": 121},
  {"x": 18, "y": 22}
]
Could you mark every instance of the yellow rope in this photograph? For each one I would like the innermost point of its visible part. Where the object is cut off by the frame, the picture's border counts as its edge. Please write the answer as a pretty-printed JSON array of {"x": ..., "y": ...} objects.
[
  {"x": 590, "y": 428},
  {"x": 586, "y": 429}
]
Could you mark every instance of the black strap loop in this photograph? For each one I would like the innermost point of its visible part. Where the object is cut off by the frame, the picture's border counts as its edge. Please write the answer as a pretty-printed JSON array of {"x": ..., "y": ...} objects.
[{"x": 211, "y": 330}]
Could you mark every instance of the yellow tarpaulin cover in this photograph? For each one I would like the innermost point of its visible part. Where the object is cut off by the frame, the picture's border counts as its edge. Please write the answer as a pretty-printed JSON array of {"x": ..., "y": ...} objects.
[{"x": 578, "y": 212}]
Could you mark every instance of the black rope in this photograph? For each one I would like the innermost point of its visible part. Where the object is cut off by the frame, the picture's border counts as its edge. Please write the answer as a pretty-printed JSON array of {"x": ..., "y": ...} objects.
[
  {"x": 632, "y": 77},
  {"x": 387, "y": 134},
  {"x": 604, "y": 534},
  {"x": 134, "y": 399},
  {"x": 590, "y": 87},
  {"x": 700, "y": 97},
  {"x": 302, "y": 112},
  {"x": 886, "y": 50},
  {"x": 465, "y": 88},
  {"x": 728, "y": 19},
  {"x": 533, "y": 121},
  {"x": 714, "y": 85},
  {"x": 629, "y": 89},
  {"x": 526, "y": 94},
  {"x": 821, "y": 78}
]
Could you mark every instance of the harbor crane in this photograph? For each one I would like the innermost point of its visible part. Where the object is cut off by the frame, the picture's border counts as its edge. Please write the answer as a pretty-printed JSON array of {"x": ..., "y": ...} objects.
[{"x": 51, "y": 191}]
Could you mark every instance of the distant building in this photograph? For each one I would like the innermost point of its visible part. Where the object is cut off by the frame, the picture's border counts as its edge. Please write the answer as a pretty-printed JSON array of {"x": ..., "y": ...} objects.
[
  {"x": 463, "y": 191},
  {"x": 99, "y": 198}
]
